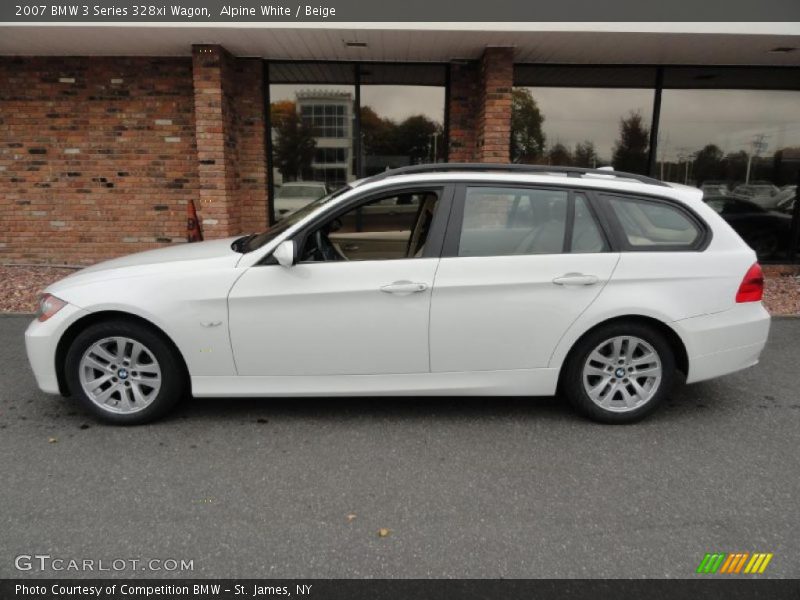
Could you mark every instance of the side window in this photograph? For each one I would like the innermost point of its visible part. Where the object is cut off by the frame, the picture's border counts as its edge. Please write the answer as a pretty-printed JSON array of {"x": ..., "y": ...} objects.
[
  {"x": 651, "y": 223},
  {"x": 385, "y": 228},
  {"x": 586, "y": 235},
  {"x": 395, "y": 213},
  {"x": 509, "y": 221}
]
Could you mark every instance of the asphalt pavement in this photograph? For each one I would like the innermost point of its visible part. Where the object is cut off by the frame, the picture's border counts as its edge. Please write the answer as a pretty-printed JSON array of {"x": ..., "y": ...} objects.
[{"x": 475, "y": 488}]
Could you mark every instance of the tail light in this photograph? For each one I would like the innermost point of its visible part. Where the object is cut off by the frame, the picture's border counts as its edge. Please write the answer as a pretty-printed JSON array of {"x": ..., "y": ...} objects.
[{"x": 752, "y": 287}]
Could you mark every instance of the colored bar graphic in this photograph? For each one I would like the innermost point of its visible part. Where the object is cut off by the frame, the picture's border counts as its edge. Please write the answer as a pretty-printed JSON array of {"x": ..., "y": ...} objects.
[
  {"x": 755, "y": 562},
  {"x": 766, "y": 562},
  {"x": 728, "y": 562},
  {"x": 711, "y": 562},
  {"x": 734, "y": 563},
  {"x": 703, "y": 563}
]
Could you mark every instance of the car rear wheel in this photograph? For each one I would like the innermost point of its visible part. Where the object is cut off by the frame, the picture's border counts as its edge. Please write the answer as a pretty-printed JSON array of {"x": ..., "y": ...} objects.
[
  {"x": 619, "y": 373},
  {"x": 124, "y": 373}
]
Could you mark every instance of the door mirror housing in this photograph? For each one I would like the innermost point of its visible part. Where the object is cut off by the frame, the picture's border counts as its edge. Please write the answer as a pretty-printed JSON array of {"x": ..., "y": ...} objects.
[{"x": 286, "y": 253}]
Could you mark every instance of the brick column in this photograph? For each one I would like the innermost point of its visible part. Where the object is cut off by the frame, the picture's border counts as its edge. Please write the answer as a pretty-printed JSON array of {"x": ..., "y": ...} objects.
[
  {"x": 462, "y": 110},
  {"x": 494, "y": 110},
  {"x": 250, "y": 120},
  {"x": 480, "y": 108},
  {"x": 216, "y": 145}
]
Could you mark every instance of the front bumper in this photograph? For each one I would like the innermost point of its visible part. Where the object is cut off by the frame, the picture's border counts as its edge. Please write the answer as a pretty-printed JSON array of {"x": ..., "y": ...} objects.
[
  {"x": 724, "y": 342},
  {"x": 41, "y": 342}
]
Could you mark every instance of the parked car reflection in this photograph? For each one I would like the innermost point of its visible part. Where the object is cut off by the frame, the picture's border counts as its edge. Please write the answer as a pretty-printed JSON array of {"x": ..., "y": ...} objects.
[
  {"x": 762, "y": 193},
  {"x": 715, "y": 188},
  {"x": 294, "y": 195},
  {"x": 786, "y": 199},
  {"x": 765, "y": 231}
]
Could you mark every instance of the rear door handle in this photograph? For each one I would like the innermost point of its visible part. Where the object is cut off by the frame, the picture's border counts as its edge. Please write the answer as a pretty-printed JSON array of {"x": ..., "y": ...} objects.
[
  {"x": 404, "y": 287},
  {"x": 575, "y": 279}
]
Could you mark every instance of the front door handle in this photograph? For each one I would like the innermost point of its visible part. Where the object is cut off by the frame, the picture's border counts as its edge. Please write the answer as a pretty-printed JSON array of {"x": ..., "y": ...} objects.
[
  {"x": 575, "y": 279},
  {"x": 404, "y": 287}
]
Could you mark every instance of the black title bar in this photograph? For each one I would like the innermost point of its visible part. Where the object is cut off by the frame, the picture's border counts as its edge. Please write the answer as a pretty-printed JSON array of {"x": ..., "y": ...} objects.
[
  {"x": 273, "y": 11},
  {"x": 405, "y": 589}
]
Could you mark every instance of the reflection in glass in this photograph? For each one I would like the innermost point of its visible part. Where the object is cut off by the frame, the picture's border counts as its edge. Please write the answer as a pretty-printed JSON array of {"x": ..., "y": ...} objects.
[
  {"x": 741, "y": 141},
  {"x": 582, "y": 127},
  {"x": 742, "y": 149},
  {"x": 401, "y": 125},
  {"x": 312, "y": 135}
]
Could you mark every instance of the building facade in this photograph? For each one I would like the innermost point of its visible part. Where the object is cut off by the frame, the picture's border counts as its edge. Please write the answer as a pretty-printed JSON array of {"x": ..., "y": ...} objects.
[
  {"x": 106, "y": 135},
  {"x": 329, "y": 116}
]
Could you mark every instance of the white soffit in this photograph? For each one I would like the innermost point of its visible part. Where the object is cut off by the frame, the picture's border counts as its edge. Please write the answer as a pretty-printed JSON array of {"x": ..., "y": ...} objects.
[{"x": 580, "y": 43}]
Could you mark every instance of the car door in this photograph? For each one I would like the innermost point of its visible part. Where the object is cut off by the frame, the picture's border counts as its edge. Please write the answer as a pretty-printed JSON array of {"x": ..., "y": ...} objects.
[
  {"x": 355, "y": 315},
  {"x": 519, "y": 265}
]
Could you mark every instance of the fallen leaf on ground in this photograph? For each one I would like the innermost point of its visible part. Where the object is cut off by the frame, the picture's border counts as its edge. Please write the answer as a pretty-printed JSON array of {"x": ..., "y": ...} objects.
[{"x": 383, "y": 532}]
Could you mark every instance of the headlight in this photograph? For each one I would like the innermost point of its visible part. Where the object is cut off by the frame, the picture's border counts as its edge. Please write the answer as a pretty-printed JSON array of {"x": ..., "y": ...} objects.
[{"x": 48, "y": 306}]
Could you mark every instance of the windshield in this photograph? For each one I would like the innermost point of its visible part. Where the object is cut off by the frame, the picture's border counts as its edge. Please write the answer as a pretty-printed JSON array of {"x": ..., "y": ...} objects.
[
  {"x": 270, "y": 234},
  {"x": 301, "y": 191}
]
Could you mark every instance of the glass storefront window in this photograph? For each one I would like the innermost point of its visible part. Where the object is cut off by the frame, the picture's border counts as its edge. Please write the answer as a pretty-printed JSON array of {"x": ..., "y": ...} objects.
[
  {"x": 742, "y": 148},
  {"x": 333, "y": 122},
  {"x": 582, "y": 127},
  {"x": 401, "y": 125},
  {"x": 313, "y": 134}
]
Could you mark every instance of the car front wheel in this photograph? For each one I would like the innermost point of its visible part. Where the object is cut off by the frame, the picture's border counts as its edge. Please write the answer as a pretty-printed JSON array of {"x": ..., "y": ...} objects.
[
  {"x": 619, "y": 373},
  {"x": 124, "y": 373}
]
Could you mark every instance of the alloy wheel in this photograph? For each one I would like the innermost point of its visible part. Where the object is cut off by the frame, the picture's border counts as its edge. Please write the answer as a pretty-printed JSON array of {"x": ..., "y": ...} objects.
[
  {"x": 120, "y": 375},
  {"x": 622, "y": 373}
]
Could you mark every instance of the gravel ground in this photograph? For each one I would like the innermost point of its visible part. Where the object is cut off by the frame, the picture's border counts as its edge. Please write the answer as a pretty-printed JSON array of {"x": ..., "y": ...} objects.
[
  {"x": 782, "y": 295},
  {"x": 21, "y": 284}
]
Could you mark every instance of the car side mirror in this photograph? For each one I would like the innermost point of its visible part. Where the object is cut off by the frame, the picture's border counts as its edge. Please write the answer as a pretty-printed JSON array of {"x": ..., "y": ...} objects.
[{"x": 286, "y": 253}]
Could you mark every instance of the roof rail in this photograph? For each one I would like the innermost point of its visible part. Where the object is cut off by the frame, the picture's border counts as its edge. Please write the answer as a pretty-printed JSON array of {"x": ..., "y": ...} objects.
[{"x": 512, "y": 168}]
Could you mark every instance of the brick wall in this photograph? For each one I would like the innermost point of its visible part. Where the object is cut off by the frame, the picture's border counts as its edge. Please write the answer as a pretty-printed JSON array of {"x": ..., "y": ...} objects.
[
  {"x": 494, "y": 110},
  {"x": 97, "y": 156},
  {"x": 480, "y": 107},
  {"x": 229, "y": 109},
  {"x": 248, "y": 105},
  {"x": 217, "y": 169},
  {"x": 463, "y": 109}
]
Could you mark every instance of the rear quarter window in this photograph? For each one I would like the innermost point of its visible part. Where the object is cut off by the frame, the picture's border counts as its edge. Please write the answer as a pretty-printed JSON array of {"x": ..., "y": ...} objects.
[{"x": 647, "y": 224}]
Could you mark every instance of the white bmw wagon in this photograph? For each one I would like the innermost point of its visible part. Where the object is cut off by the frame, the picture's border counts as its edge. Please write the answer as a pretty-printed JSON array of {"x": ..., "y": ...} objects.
[{"x": 454, "y": 279}]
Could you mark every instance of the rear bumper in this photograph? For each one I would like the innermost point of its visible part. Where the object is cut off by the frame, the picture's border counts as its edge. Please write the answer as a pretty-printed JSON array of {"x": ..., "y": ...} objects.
[
  {"x": 724, "y": 342},
  {"x": 41, "y": 341}
]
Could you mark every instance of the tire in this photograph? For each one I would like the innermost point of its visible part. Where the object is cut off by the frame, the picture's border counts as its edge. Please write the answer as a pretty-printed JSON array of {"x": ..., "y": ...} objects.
[
  {"x": 147, "y": 376},
  {"x": 627, "y": 391}
]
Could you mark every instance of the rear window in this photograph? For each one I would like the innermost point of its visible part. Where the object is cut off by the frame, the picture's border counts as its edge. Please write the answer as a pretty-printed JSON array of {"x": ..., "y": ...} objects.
[{"x": 650, "y": 224}]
